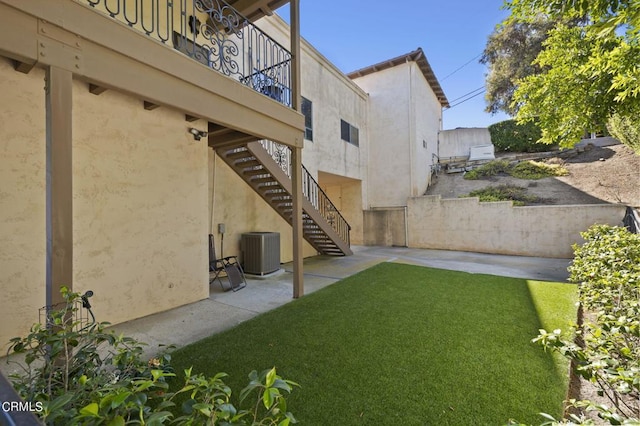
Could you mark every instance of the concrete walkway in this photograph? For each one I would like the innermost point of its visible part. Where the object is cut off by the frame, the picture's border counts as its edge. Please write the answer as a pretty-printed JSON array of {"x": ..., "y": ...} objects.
[{"x": 224, "y": 310}]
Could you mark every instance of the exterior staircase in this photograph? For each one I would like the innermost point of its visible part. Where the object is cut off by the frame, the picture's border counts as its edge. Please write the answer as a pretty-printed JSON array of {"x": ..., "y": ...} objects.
[{"x": 266, "y": 167}]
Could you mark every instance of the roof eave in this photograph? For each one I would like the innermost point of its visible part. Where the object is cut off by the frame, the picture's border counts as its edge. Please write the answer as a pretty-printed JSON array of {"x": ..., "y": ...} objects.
[{"x": 420, "y": 59}]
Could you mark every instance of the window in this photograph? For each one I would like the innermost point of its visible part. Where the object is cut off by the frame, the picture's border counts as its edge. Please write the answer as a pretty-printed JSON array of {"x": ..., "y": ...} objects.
[
  {"x": 307, "y": 111},
  {"x": 349, "y": 133}
]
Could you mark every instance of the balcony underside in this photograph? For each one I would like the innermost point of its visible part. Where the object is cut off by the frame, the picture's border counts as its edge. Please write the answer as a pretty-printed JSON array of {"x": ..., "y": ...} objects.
[
  {"x": 109, "y": 55},
  {"x": 256, "y": 9}
]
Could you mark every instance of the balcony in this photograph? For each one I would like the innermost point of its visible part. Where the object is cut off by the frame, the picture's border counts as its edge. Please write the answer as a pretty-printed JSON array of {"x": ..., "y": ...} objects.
[{"x": 213, "y": 33}]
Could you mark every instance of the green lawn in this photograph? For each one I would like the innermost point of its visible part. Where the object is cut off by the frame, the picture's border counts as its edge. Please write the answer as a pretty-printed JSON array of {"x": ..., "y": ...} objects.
[{"x": 400, "y": 344}]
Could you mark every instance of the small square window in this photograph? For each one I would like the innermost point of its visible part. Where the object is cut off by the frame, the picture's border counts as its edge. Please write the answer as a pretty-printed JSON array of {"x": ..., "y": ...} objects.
[{"x": 349, "y": 133}]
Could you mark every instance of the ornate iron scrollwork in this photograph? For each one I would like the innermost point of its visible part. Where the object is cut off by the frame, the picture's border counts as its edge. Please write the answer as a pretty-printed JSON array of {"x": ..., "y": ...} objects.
[{"x": 215, "y": 34}]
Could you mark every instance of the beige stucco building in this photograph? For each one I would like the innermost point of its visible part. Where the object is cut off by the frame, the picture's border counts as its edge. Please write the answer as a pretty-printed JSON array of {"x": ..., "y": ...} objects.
[{"x": 125, "y": 140}]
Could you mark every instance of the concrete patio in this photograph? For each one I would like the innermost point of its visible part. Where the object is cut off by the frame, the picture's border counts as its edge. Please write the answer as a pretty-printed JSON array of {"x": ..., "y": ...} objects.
[{"x": 223, "y": 310}]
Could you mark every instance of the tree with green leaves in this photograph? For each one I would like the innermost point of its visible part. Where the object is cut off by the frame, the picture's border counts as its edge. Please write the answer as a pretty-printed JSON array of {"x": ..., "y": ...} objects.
[
  {"x": 590, "y": 73},
  {"x": 509, "y": 55}
]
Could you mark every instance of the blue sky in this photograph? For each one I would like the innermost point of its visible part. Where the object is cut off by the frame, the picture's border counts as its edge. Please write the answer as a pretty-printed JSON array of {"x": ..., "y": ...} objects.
[{"x": 354, "y": 34}]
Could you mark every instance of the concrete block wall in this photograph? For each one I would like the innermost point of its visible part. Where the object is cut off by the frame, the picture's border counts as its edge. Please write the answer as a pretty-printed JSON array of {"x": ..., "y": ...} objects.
[
  {"x": 456, "y": 142},
  {"x": 466, "y": 224}
]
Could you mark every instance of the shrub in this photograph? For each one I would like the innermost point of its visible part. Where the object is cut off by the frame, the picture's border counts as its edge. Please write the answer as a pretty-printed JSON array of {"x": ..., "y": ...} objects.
[
  {"x": 537, "y": 170},
  {"x": 626, "y": 130},
  {"x": 509, "y": 136},
  {"x": 491, "y": 168},
  {"x": 607, "y": 349},
  {"x": 83, "y": 375},
  {"x": 523, "y": 170},
  {"x": 517, "y": 194}
]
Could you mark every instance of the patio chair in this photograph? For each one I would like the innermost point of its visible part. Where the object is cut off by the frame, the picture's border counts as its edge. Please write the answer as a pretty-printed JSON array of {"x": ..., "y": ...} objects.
[{"x": 229, "y": 265}]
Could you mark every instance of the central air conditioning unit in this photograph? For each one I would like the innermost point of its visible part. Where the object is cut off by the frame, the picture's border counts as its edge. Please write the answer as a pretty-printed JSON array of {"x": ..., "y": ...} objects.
[{"x": 260, "y": 252}]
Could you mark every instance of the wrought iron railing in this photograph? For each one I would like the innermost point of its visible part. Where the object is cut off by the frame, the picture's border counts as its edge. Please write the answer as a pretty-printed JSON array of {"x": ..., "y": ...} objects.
[
  {"x": 310, "y": 189},
  {"x": 213, "y": 33}
]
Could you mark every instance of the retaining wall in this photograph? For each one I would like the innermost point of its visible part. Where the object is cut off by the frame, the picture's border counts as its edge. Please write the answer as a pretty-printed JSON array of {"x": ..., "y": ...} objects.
[{"x": 465, "y": 224}]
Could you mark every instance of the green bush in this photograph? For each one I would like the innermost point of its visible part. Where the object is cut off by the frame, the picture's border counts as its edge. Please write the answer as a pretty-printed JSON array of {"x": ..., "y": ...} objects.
[
  {"x": 536, "y": 170},
  {"x": 517, "y": 194},
  {"x": 626, "y": 130},
  {"x": 509, "y": 136},
  {"x": 607, "y": 348},
  {"x": 491, "y": 168},
  {"x": 523, "y": 170},
  {"x": 82, "y": 375}
]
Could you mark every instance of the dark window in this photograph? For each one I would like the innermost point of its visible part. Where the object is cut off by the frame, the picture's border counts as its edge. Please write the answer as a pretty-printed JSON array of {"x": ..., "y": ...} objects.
[
  {"x": 349, "y": 133},
  {"x": 307, "y": 111}
]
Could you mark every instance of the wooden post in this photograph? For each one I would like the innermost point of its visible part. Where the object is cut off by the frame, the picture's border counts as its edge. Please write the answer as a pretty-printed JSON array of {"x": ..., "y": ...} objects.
[
  {"x": 296, "y": 154},
  {"x": 59, "y": 196}
]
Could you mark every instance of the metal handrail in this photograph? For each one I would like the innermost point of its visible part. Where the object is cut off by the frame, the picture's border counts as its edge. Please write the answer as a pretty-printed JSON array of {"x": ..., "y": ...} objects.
[
  {"x": 213, "y": 33},
  {"x": 310, "y": 189}
]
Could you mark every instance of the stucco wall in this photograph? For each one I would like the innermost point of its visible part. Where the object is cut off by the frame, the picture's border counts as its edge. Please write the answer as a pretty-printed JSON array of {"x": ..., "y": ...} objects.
[
  {"x": 456, "y": 142},
  {"x": 390, "y": 171},
  {"x": 22, "y": 200},
  {"x": 498, "y": 227},
  {"x": 346, "y": 196},
  {"x": 385, "y": 227},
  {"x": 404, "y": 119},
  {"x": 427, "y": 119},
  {"x": 140, "y": 213},
  {"x": 140, "y": 206},
  {"x": 467, "y": 225},
  {"x": 334, "y": 97}
]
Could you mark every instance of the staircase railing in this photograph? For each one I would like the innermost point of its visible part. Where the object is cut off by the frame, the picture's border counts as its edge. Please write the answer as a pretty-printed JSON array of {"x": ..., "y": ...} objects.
[
  {"x": 213, "y": 33},
  {"x": 310, "y": 189}
]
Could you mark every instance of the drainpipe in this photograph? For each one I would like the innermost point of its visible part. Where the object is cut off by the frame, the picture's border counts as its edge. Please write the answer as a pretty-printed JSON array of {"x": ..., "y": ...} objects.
[
  {"x": 406, "y": 226},
  {"x": 212, "y": 185}
]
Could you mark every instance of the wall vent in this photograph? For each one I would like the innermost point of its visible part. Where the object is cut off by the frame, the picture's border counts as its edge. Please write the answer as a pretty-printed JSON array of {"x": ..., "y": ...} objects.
[{"x": 260, "y": 252}]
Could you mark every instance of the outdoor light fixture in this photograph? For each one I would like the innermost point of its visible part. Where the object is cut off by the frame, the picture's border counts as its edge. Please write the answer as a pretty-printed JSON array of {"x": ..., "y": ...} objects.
[{"x": 197, "y": 134}]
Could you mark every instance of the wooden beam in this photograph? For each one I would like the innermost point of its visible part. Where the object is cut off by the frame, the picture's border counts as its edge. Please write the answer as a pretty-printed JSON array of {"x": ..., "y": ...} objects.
[
  {"x": 150, "y": 106},
  {"x": 230, "y": 138},
  {"x": 96, "y": 90},
  {"x": 23, "y": 67},
  {"x": 248, "y": 7},
  {"x": 216, "y": 128},
  {"x": 59, "y": 184},
  {"x": 296, "y": 156}
]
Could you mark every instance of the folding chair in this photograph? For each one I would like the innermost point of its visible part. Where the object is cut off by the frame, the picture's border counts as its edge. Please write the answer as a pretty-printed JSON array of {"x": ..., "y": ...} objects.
[{"x": 229, "y": 265}]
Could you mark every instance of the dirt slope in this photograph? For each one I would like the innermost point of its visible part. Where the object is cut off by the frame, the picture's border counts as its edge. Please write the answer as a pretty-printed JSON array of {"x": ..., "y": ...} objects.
[{"x": 597, "y": 175}]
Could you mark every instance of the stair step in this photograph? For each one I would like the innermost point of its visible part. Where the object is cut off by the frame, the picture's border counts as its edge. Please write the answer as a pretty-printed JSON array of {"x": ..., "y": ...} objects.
[
  {"x": 276, "y": 196},
  {"x": 266, "y": 182},
  {"x": 256, "y": 172},
  {"x": 247, "y": 162},
  {"x": 237, "y": 154}
]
